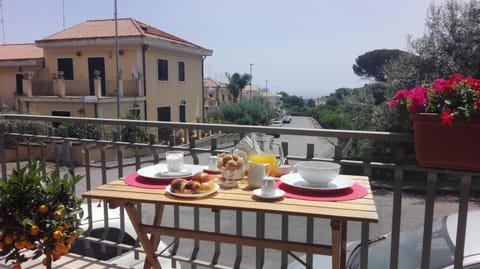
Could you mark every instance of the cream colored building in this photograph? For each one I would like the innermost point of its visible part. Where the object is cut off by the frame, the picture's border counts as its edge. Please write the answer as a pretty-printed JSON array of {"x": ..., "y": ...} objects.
[
  {"x": 251, "y": 92},
  {"x": 16, "y": 62},
  {"x": 161, "y": 75},
  {"x": 215, "y": 93}
]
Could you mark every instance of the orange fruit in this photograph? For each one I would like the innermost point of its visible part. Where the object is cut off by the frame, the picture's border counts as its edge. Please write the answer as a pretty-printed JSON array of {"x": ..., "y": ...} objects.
[
  {"x": 19, "y": 245},
  {"x": 45, "y": 261},
  {"x": 17, "y": 266},
  {"x": 43, "y": 209},
  {"x": 58, "y": 214},
  {"x": 8, "y": 239},
  {"x": 1, "y": 235},
  {"x": 59, "y": 248},
  {"x": 34, "y": 230},
  {"x": 30, "y": 245},
  {"x": 57, "y": 235}
]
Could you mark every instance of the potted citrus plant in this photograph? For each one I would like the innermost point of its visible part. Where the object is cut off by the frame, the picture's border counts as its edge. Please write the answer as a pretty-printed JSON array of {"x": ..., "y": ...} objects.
[
  {"x": 40, "y": 215},
  {"x": 446, "y": 122}
]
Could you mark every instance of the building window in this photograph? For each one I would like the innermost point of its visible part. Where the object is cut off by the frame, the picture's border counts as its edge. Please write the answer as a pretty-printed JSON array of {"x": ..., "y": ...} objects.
[
  {"x": 182, "y": 115},
  {"x": 56, "y": 124},
  {"x": 181, "y": 71},
  {"x": 66, "y": 66},
  {"x": 163, "y": 69}
]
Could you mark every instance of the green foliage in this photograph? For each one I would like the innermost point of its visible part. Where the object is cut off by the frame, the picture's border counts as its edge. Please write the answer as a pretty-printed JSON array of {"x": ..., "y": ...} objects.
[
  {"x": 448, "y": 46},
  {"x": 330, "y": 117},
  {"x": 370, "y": 64},
  {"x": 133, "y": 133},
  {"x": 22, "y": 127},
  {"x": 39, "y": 212},
  {"x": 256, "y": 112},
  {"x": 296, "y": 105},
  {"x": 79, "y": 130},
  {"x": 236, "y": 83}
]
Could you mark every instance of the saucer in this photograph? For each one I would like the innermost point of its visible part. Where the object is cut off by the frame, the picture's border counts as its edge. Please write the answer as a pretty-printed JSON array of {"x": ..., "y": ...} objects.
[
  {"x": 278, "y": 194},
  {"x": 296, "y": 181},
  {"x": 159, "y": 171},
  {"x": 182, "y": 173}
]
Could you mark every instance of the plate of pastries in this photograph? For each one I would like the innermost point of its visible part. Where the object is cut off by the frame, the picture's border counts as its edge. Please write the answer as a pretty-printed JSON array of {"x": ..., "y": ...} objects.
[{"x": 198, "y": 186}]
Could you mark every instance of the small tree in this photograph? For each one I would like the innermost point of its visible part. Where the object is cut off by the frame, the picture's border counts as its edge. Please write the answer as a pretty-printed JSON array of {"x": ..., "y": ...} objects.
[
  {"x": 133, "y": 133},
  {"x": 39, "y": 214},
  {"x": 370, "y": 64},
  {"x": 236, "y": 83}
]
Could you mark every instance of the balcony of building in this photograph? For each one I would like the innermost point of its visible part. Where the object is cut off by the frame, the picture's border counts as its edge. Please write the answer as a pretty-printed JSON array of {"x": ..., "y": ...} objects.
[{"x": 106, "y": 157}]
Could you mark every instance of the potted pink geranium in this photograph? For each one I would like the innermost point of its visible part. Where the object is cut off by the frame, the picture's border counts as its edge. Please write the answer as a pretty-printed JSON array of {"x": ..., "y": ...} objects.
[{"x": 446, "y": 121}]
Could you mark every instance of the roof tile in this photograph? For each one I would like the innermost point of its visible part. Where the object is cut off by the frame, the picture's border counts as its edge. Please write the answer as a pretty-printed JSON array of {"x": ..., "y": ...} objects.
[
  {"x": 20, "y": 52},
  {"x": 126, "y": 27}
]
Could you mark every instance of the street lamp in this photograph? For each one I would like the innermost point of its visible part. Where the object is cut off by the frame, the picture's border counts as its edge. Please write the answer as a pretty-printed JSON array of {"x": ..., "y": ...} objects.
[
  {"x": 251, "y": 77},
  {"x": 266, "y": 87}
]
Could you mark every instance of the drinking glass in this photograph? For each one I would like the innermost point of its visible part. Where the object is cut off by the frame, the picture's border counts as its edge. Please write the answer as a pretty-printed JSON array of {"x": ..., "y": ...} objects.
[{"x": 174, "y": 161}]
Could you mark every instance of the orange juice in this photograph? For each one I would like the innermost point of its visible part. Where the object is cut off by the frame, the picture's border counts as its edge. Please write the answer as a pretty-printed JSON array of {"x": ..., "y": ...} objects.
[{"x": 265, "y": 158}]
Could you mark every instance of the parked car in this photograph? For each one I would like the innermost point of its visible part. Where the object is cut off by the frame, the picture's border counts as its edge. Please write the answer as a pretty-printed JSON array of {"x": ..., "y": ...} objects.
[
  {"x": 276, "y": 123},
  {"x": 110, "y": 253},
  {"x": 286, "y": 119},
  {"x": 444, "y": 232}
]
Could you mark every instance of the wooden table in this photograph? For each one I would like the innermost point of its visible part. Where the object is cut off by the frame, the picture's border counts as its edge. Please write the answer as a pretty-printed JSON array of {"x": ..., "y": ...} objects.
[{"x": 118, "y": 193}]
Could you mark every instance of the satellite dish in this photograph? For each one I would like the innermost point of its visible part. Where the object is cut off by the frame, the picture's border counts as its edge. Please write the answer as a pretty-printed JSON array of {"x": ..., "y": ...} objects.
[{"x": 134, "y": 72}]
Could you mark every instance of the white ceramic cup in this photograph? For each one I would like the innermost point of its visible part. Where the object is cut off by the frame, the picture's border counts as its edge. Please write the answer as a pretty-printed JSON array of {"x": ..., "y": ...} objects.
[
  {"x": 268, "y": 188},
  {"x": 256, "y": 173},
  {"x": 174, "y": 161}
]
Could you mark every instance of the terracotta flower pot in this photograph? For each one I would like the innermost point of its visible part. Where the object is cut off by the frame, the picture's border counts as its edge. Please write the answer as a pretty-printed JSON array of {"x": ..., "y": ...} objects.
[{"x": 451, "y": 147}]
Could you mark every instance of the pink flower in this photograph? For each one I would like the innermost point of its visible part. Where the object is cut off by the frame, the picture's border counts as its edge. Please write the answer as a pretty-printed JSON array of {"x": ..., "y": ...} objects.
[
  {"x": 456, "y": 99},
  {"x": 474, "y": 83},
  {"x": 398, "y": 98},
  {"x": 447, "y": 117},
  {"x": 438, "y": 85},
  {"x": 418, "y": 98}
]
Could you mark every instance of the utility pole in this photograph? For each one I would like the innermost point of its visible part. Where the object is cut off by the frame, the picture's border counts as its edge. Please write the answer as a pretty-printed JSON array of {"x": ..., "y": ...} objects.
[
  {"x": 117, "y": 75},
  {"x": 251, "y": 104},
  {"x": 251, "y": 78},
  {"x": 266, "y": 87},
  {"x": 63, "y": 13},
  {"x": 3, "y": 25}
]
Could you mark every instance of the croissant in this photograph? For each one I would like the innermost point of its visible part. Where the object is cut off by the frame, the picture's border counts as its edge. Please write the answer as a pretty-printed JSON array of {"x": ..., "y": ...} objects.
[{"x": 184, "y": 186}]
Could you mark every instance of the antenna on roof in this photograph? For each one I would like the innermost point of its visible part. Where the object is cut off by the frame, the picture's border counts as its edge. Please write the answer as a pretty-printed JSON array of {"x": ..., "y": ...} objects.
[
  {"x": 3, "y": 25},
  {"x": 63, "y": 13}
]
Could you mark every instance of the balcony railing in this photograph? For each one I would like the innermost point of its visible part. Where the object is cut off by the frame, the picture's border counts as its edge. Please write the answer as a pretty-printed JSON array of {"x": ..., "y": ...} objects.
[{"x": 105, "y": 157}]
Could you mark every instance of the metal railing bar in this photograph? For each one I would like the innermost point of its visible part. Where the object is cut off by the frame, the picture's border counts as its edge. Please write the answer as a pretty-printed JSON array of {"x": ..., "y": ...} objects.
[
  {"x": 364, "y": 245},
  {"x": 380, "y": 136},
  {"x": 309, "y": 231},
  {"x": 364, "y": 162},
  {"x": 285, "y": 236},
  {"x": 462, "y": 221},
  {"x": 428, "y": 222},
  {"x": 260, "y": 252},
  {"x": 396, "y": 217},
  {"x": 239, "y": 231},
  {"x": 216, "y": 252}
]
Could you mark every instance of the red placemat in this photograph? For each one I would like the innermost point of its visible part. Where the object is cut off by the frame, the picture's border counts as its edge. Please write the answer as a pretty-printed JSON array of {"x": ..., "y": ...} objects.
[
  {"x": 136, "y": 180},
  {"x": 354, "y": 192}
]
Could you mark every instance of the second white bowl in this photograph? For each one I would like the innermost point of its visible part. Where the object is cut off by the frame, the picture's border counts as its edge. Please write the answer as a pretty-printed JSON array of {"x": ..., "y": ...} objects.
[{"x": 316, "y": 172}]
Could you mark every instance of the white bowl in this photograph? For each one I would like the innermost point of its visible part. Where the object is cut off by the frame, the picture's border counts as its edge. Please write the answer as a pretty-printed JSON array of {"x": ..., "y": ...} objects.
[{"x": 318, "y": 172}]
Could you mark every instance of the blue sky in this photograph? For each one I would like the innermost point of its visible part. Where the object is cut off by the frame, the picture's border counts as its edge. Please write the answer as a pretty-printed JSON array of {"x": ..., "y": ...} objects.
[{"x": 303, "y": 47}]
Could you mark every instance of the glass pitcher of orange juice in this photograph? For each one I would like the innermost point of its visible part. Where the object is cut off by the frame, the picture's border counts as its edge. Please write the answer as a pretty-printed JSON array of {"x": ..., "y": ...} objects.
[{"x": 266, "y": 153}]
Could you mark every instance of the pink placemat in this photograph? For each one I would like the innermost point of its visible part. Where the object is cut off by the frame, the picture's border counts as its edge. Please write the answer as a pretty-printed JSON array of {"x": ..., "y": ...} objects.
[
  {"x": 136, "y": 180},
  {"x": 354, "y": 192}
]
